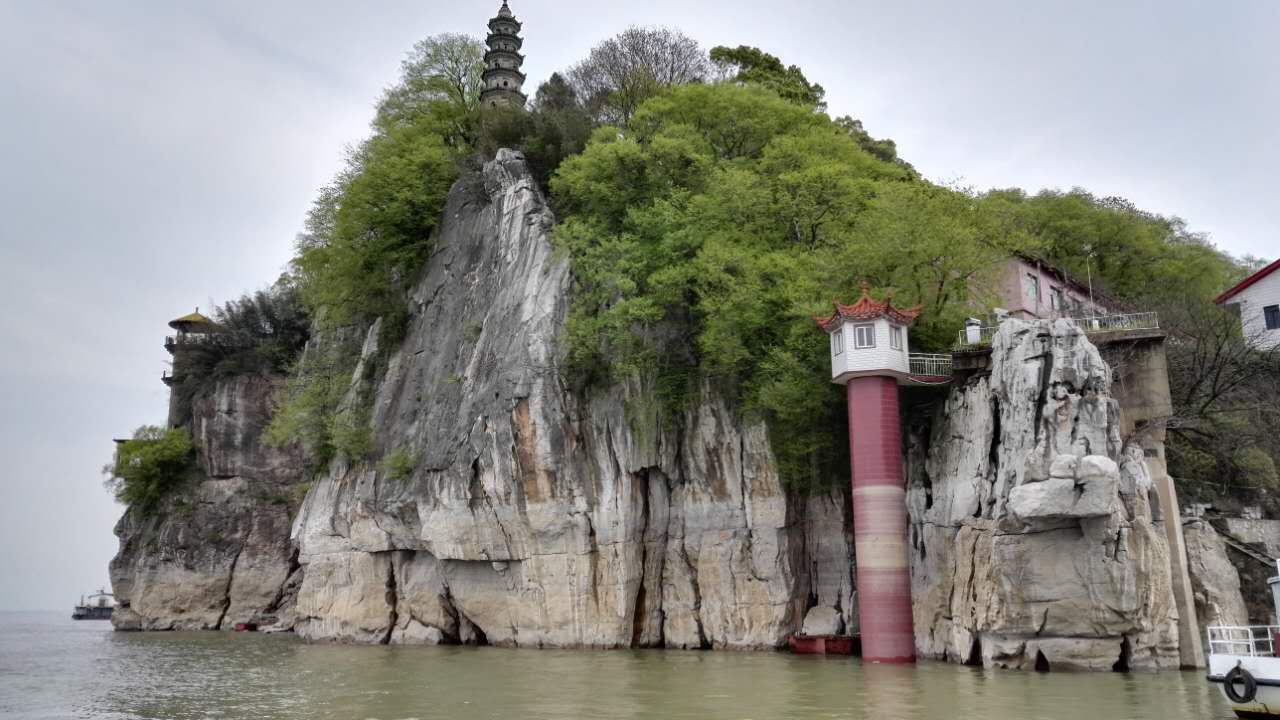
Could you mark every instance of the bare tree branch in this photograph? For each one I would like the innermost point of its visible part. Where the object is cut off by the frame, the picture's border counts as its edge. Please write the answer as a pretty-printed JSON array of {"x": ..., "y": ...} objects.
[{"x": 624, "y": 71}]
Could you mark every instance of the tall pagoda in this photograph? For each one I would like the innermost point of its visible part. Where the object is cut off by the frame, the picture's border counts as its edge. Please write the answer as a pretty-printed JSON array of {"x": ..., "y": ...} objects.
[{"x": 502, "y": 77}]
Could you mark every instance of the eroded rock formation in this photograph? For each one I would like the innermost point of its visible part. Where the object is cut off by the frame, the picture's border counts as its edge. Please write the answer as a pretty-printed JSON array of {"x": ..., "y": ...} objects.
[
  {"x": 537, "y": 516},
  {"x": 217, "y": 552},
  {"x": 1032, "y": 532},
  {"x": 542, "y": 515},
  {"x": 1214, "y": 580}
]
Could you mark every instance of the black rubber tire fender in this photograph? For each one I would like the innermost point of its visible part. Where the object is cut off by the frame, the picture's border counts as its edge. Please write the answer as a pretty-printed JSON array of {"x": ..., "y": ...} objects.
[{"x": 1235, "y": 675}]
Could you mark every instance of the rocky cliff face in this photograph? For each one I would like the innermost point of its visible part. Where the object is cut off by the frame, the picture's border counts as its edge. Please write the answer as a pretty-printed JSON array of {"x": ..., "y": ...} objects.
[
  {"x": 1214, "y": 580},
  {"x": 218, "y": 552},
  {"x": 1032, "y": 531},
  {"x": 540, "y": 517}
]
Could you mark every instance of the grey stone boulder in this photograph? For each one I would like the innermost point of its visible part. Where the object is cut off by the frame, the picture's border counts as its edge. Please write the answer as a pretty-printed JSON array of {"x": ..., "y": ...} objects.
[
  {"x": 1091, "y": 493},
  {"x": 822, "y": 620}
]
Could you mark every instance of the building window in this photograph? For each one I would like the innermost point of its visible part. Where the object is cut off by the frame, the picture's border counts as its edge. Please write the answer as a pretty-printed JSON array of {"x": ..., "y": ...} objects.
[
  {"x": 1031, "y": 286},
  {"x": 837, "y": 342},
  {"x": 895, "y": 337},
  {"x": 1271, "y": 314},
  {"x": 1056, "y": 299},
  {"x": 864, "y": 336}
]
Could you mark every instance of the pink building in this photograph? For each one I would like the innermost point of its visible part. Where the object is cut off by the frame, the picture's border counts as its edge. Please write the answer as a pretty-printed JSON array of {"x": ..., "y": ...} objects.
[{"x": 1031, "y": 288}]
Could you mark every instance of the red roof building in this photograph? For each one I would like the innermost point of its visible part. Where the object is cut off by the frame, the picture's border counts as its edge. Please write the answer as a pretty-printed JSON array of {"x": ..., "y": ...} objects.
[{"x": 1256, "y": 299}]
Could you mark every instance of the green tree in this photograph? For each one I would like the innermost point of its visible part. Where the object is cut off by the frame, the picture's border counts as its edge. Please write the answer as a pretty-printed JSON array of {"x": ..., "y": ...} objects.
[
  {"x": 150, "y": 466},
  {"x": 886, "y": 149},
  {"x": 442, "y": 76},
  {"x": 747, "y": 64},
  {"x": 319, "y": 405},
  {"x": 372, "y": 232},
  {"x": 367, "y": 237},
  {"x": 704, "y": 237},
  {"x": 561, "y": 127}
]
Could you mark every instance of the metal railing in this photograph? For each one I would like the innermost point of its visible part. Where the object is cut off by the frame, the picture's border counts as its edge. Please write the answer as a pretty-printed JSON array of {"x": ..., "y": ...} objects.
[
  {"x": 982, "y": 336},
  {"x": 1114, "y": 323},
  {"x": 190, "y": 339},
  {"x": 929, "y": 364},
  {"x": 1090, "y": 326},
  {"x": 1250, "y": 640}
]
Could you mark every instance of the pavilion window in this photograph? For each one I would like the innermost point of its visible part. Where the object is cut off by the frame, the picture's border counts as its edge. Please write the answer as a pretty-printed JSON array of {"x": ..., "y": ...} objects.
[{"x": 864, "y": 336}]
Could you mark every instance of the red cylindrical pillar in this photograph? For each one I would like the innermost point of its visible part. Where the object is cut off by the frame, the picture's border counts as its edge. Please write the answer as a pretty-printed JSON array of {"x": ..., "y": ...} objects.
[{"x": 880, "y": 521}]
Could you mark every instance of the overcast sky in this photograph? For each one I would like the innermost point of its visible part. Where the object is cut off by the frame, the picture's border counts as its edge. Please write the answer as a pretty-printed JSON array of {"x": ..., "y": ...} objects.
[{"x": 158, "y": 155}]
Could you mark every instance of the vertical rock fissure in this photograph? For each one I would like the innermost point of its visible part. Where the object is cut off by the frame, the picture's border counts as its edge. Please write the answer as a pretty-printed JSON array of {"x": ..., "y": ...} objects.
[
  {"x": 478, "y": 492},
  {"x": 226, "y": 599},
  {"x": 280, "y": 592},
  {"x": 640, "y": 612},
  {"x": 703, "y": 643},
  {"x": 1042, "y": 398},
  {"x": 392, "y": 599},
  {"x": 745, "y": 489}
]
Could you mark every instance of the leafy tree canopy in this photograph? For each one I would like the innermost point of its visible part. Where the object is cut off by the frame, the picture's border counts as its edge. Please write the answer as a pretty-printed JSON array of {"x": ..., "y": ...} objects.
[
  {"x": 747, "y": 64},
  {"x": 707, "y": 233},
  {"x": 149, "y": 466}
]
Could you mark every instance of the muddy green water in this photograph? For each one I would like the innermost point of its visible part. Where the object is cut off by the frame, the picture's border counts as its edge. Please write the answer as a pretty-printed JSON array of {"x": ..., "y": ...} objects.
[{"x": 51, "y": 667}]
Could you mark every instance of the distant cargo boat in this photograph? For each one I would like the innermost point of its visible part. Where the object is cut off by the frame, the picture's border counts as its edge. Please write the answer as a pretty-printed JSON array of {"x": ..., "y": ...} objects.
[{"x": 97, "y": 606}]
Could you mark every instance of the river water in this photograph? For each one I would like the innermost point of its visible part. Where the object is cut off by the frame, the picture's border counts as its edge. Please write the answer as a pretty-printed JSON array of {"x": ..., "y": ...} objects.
[{"x": 52, "y": 667}]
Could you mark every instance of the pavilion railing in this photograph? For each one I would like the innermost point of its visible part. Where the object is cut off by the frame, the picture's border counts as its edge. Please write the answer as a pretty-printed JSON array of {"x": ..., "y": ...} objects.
[
  {"x": 932, "y": 365},
  {"x": 981, "y": 336}
]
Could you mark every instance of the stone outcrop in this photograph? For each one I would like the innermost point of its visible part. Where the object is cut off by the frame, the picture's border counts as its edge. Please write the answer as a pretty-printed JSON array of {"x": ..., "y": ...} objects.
[
  {"x": 1214, "y": 579},
  {"x": 218, "y": 551},
  {"x": 1032, "y": 538},
  {"x": 539, "y": 516}
]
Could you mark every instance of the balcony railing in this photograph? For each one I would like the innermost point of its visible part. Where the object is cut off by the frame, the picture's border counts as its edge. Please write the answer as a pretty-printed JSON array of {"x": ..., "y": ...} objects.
[
  {"x": 974, "y": 337},
  {"x": 977, "y": 337},
  {"x": 1115, "y": 323},
  {"x": 193, "y": 339},
  {"x": 929, "y": 364}
]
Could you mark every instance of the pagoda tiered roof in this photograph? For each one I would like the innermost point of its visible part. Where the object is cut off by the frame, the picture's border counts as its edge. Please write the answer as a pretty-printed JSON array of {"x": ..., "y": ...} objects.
[{"x": 867, "y": 308}]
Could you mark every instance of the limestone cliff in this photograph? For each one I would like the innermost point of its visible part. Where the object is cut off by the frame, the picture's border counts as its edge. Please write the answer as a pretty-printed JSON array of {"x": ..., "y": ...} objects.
[
  {"x": 1032, "y": 532},
  {"x": 1214, "y": 580},
  {"x": 537, "y": 516},
  {"x": 543, "y": 515},
  {"x": 218, "y": 551}
]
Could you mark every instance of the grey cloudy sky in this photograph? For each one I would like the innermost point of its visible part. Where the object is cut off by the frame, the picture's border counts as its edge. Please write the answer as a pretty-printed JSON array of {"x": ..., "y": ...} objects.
[{"x": 158, "y": 155}]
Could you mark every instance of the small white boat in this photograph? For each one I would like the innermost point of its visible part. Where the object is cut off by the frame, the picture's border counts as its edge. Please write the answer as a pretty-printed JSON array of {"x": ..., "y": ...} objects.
[
  {"x": 1244, "y": 666},
  {"x": 1243, "y": 663}
]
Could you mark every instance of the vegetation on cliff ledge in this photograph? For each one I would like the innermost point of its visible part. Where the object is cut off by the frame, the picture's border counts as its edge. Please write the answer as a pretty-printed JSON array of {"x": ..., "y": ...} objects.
[
  {"x": 150, "y": 466},
  {"x": 709, "y": 207}
]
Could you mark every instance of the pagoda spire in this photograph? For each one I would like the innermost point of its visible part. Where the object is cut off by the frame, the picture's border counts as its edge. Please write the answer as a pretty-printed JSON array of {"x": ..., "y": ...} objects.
[{"x": 503, "y": 81}]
